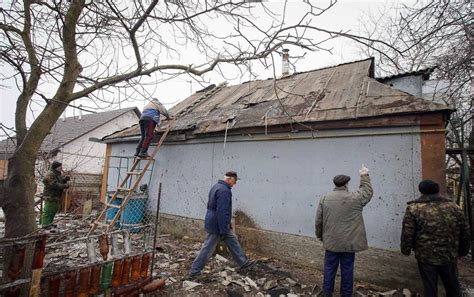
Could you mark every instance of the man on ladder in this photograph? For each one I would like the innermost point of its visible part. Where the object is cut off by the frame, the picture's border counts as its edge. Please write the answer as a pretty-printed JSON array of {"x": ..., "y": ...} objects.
[{"x": 149, "y": 120}]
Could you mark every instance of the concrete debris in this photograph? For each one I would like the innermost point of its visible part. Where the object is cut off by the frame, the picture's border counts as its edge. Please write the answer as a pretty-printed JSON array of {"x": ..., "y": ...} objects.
[
  {"x": 406, "y": 293},
  {"x": 249, "y": 281},
  {"x": 261, "y": 281},
  {"x": 239, "y": 282},
  {"x": 260, "y": 294},
  {"x": 270, "y": 284},
  {"x": 225, "y": 282},
  {"x": 291, "y": 295},
  {"x": 174, "y": 266},
  {"x": 291, "y": 281},
  {"x": 388, "y": 293},
  {"x": 221, "y": 259},
  {"x": 189, "y": 285},
  {"x": 223, "y": 274}
]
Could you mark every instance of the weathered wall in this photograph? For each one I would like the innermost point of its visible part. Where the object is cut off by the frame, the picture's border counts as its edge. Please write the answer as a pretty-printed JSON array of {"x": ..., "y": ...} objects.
[
  {"x": 283, "y": 180},
  {"x": 84, "y": 156}
]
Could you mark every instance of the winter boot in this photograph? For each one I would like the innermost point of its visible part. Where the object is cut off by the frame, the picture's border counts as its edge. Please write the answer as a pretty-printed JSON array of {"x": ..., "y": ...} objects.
[
  {"x": 143, "y": 154},
  {"x": 137, "y": 152}
]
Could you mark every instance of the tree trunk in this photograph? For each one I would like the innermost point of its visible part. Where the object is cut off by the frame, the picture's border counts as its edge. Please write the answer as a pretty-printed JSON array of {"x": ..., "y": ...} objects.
[{"x": 18, "y": 204}]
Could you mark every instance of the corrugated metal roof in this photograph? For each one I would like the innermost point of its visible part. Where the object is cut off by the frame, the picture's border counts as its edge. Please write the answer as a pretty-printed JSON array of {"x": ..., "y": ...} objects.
[
  {"x": 342, "y": 92},
  {"x": 65, "y": 131}
]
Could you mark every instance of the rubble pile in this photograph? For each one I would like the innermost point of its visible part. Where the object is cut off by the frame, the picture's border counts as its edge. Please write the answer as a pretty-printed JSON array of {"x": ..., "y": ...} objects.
[{"x": 220, "y": 277}]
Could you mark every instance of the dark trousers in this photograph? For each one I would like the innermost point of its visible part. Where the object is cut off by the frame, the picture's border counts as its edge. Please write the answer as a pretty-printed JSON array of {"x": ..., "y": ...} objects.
[
  {"x": 331, "y": 264},
  {"x": 147, "y": 128},
  {"x": 448, "y": 274}
]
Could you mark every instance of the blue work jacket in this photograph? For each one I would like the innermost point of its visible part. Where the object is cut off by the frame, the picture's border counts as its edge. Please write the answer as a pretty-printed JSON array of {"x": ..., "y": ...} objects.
[{"x": 219, "y": 209}]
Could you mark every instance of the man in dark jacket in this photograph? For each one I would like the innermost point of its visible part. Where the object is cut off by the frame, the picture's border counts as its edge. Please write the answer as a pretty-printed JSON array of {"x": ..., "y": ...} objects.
[
  {"x": 217, "y": 226},
  {"x": 54, "y": 184},
  {"x": 340, "y": 225},
  {"x": 436, "y": 230}
]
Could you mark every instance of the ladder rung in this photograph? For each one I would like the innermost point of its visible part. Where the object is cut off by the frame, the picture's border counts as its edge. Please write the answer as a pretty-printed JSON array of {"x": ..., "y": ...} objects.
[
  {"x": 134, "y": 173},
  {"x": 112, "y": 205},
  {"x": 123, "y": 189},
  {"x": 147, "y": 158}
]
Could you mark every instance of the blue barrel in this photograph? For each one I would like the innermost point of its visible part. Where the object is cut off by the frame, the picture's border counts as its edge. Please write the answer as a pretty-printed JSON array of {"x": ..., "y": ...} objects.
[
  {"x": 133, "y": 213},
  {"x": 110, "y": 214}
]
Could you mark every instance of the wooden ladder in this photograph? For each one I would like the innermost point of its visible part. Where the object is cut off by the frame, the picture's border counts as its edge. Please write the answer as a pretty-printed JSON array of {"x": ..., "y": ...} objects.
[{"x": 125, "y": 192}]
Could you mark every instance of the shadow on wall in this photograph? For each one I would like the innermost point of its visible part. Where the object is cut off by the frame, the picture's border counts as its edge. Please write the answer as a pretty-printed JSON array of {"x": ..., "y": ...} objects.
[{"x": 244, "y": 226}]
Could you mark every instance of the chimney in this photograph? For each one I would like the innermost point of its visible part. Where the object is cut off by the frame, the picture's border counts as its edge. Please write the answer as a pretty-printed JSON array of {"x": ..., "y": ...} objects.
[{"x": 285, "y": 63}]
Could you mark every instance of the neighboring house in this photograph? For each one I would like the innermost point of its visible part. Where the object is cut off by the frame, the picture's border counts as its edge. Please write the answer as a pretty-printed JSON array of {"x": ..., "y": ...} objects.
[
  {"x": 69, "y": 142},
  {"x": 287, "y": 139},
  {"x": 418, "y": 83}
]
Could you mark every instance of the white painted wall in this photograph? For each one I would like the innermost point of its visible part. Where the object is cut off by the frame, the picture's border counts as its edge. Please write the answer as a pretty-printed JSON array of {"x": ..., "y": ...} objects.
[
  {"x": 84, "y": 156},
  {"x": 282, "y": 181}
]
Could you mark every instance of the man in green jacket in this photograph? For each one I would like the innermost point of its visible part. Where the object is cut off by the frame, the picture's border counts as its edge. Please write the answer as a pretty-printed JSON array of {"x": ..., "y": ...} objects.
[
  {"x": 340, "y": 226},
  {"x": 54, "y": 185},
  {"x": 436, "y": 230}
]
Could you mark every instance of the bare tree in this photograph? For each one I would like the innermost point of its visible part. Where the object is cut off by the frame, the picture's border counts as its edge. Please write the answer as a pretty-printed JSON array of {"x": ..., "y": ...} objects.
[
  {"x": 62, "y": 51},
  {"x": 429, "y": 34}
]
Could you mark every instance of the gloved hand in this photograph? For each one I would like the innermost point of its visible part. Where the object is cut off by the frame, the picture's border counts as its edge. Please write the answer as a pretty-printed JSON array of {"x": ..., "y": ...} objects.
[{"x": 364, "y": 170}]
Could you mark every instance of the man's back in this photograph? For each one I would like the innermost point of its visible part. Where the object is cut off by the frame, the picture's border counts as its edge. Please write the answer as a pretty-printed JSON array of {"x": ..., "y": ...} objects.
[
  {"x": 340, "y": 219},
  {"x": 219, "y": 209},
  {"x": 435, "y": 228}
]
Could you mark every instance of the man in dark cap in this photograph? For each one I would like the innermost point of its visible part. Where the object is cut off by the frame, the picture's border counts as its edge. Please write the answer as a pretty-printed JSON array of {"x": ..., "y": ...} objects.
[
  {"x": 436, "y": 230},
  {"x": 217, "y": 226},
  {"x": 54, "y": 184},
  {"x": 340, "y": 226}
]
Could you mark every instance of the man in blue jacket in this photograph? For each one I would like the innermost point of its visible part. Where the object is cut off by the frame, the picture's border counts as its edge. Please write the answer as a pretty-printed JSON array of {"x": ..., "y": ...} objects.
[{"x": 217, "y": 226}]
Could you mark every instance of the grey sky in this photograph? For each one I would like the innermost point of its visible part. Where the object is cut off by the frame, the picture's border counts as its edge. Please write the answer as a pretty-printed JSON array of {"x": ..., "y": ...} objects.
[{"x": 345, "y": 15}]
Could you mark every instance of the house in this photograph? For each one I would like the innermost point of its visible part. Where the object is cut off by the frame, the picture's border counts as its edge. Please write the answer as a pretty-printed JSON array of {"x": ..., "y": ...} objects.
[
  {"x": 418, "y": 83},
  {"x": 69, "y": 142},
  {"x": 287, "y": 139}
]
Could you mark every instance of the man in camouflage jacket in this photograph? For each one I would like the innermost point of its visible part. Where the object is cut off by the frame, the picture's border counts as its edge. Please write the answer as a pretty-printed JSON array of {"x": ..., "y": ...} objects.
[
  {"x": 436, "y": 230},
  {"x": 54, "y": 184}
]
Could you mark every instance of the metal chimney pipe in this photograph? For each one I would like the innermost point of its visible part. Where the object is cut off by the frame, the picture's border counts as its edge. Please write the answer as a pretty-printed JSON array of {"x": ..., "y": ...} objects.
[
  {"x": 80, "y": 112},
  {"x": 285, "y": 67}
]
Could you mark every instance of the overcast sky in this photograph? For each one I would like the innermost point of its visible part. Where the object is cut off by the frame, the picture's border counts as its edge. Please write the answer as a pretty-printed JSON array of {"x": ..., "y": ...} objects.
[{"x": 345, "y": 15}]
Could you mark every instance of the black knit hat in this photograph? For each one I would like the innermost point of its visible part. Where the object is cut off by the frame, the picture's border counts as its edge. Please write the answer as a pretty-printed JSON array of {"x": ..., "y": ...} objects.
[
  {"x": 340, "y": 180},
  {"x": 56, "y": 164},
  {"x": 428, "y": 187}
]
